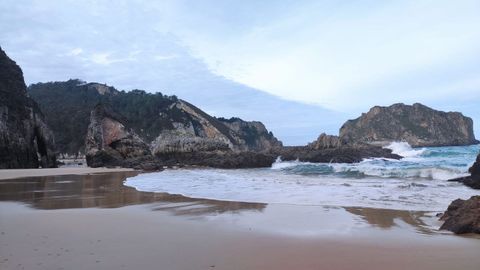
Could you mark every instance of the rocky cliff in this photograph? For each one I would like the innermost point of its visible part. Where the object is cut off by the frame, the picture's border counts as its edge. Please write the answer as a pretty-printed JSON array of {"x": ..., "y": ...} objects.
[
  {"x": 110, "y": 143},
  {"x": 417, "y": 124},
  {"x": 25, "y": 139},
  {"x": 166, "y": 122}
]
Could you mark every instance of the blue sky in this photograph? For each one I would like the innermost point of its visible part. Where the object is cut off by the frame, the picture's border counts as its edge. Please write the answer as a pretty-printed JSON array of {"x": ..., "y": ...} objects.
[{"x": 301, "y": 67}]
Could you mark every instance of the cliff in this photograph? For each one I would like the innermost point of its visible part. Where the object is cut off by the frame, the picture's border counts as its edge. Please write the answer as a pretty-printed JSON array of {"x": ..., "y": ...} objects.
[
  {"x": 25, "y": 139},
  {"x": 166, "y": 122},
  {"x": 110, "y": 143},
  {"x": 417, "y": 124}
]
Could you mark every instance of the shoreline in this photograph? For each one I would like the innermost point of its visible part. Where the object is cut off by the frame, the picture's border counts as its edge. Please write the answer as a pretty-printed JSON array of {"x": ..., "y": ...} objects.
[
  {"x": 182, "y": 236},
  {"x": 93, "y": 221},
  {"x": 22, "y": 173}
]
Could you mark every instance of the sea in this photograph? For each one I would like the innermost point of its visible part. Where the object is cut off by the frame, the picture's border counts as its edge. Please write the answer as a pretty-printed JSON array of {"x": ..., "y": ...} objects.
[{"x": 417, "y": 182}]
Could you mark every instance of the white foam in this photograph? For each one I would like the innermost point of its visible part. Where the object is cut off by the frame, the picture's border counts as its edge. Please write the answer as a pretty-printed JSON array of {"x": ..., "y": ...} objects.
[
  {"x": 404, "y": 149},
  {"x": 275, "y": 186}
]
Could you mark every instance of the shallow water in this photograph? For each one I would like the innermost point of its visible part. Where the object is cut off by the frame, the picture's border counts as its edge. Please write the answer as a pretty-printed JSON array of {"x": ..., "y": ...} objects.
[
  {"x": 106, "y": 190},
  {"x": 417, "y": 182}
]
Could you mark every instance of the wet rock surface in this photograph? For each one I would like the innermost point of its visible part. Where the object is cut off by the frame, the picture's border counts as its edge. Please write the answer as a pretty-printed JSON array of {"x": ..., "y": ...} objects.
[
  {"x": 473, "y": 180},
  {"x": 462, "y": 216},
  {"x": 343, "y": 154}
]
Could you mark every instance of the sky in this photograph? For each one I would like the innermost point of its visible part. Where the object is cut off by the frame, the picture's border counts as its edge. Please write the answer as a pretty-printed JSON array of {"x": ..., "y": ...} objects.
[{"x": 300, "y": 67}]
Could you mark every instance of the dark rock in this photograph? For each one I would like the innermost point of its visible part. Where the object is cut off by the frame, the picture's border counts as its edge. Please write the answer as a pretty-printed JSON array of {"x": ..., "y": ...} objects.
[
  {"x": 220, "y": 159},
  {"x": 473, "y": 180},
  {"x": 25, "y": 139},
  {"x": 462, "y": 216},
  {"x": 342, "y": 154},
  {"x": 418, "y": 125}
]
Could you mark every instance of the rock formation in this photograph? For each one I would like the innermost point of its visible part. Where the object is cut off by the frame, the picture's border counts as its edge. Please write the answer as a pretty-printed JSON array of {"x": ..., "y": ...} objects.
[
  {"x": 342, "y": 154},
  {"x": 25, "y": 139},
  {"x": 473, "y": 180},
  {"x": 251, "y": 136},
  {"x": 462, "y": 216},
  {"x": 418, "y": 125},
  {"x": 325, "y": 141},
  {"x": 110, "y": 143},
  {"x": 167, "y": 122}
]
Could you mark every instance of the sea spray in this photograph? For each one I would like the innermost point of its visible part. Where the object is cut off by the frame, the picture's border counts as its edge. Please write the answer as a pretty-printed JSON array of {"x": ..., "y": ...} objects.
[
  {"x": 417, "y": 182},
  {"x": 404, "y": 149}
]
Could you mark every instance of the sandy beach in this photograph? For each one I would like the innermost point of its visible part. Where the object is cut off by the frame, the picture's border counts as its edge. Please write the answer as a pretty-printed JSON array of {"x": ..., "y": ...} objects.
[
  {"x": 92, "y": 221},
  {"x": 19, "y": 173}
]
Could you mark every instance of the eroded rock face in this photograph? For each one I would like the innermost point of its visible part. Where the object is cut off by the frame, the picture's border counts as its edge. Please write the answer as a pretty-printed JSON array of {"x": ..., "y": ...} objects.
[
  {"x": 418, "y": 125},
  {"x": 199, "y": 132},
  {"x": 109, "y": 143},
  {"x": 25, "y": 139},
  {"x": 462, "y": 216},
  {"x": 251, "y": 136},
  {"x": 325, "y": 141}
]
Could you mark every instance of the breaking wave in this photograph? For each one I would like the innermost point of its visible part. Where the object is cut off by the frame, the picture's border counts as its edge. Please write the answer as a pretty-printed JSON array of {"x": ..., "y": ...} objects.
[{"x": 416, "y": 182}]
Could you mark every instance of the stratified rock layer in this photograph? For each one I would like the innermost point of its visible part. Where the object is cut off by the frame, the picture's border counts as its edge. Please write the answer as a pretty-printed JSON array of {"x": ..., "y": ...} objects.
[
  {"x": 25, "y": 139},
  {"x": 462, "y": 216},
  {"x": 156, "y": 118},
  {"x": 109, "y": 143},
  {"x": 418, "y": 125}
]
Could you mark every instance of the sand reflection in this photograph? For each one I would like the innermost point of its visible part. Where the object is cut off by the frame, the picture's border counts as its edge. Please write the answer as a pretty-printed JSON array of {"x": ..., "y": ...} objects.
[{"x": 106, "y": 191}]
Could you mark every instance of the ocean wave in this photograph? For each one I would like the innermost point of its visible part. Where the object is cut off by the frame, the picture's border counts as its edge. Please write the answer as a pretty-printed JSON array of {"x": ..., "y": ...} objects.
[
  {"x": 404, "y": 149},
  {"x": 417, "y": 182}
]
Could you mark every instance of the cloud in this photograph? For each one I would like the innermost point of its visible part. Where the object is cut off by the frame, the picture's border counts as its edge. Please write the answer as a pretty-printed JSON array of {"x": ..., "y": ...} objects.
[{"x": 230, "y": 57}]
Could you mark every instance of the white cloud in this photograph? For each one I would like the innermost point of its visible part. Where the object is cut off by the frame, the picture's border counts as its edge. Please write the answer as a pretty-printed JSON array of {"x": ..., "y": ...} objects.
[{"x": 318, "y": 53}]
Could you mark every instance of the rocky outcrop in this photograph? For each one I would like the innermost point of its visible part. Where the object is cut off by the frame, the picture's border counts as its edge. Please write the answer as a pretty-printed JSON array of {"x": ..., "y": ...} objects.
[
  {"x": 169, "y": 123},
  {"x": 418, "y": 125},
  {"x": 218, "y": 159},
  {"x": 473, "y": 180},
  {"x": 251, "y": 136},
  {"x": 25, "y": 139},
  {"x": 330, "y": 148},
  {"x": 462, "y": 216},
  {"x": 325, "y": 141},
  {"x": 110, "y": 143},
  {"x": 342, "y": 154}
]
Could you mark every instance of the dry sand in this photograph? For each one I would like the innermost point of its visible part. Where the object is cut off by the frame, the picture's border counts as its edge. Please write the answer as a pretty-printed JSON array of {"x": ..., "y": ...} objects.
[{"x": 94, "y": 222}]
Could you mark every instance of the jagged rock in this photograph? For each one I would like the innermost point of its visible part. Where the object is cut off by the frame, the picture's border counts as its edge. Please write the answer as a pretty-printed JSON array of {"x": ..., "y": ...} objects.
[
  {"x": 418, "y": 125},
  {"x": 251, "y": 136},
  {"x": 325, "y": 141},
  {"x": 462, "y": 216},
  {"x": 24, "y": 136},
  {"x": 342, "y": 154},
  {"x": 473, "y": 180},
  {"x": 109, "y": 143},
  {"x": 153, "y": 117}
]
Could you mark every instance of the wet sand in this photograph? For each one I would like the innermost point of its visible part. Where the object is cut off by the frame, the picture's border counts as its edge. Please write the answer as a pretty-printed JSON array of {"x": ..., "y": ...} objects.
[
  {"x": 20, "y": 173},
  {"x": 94, "y": 222}
]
